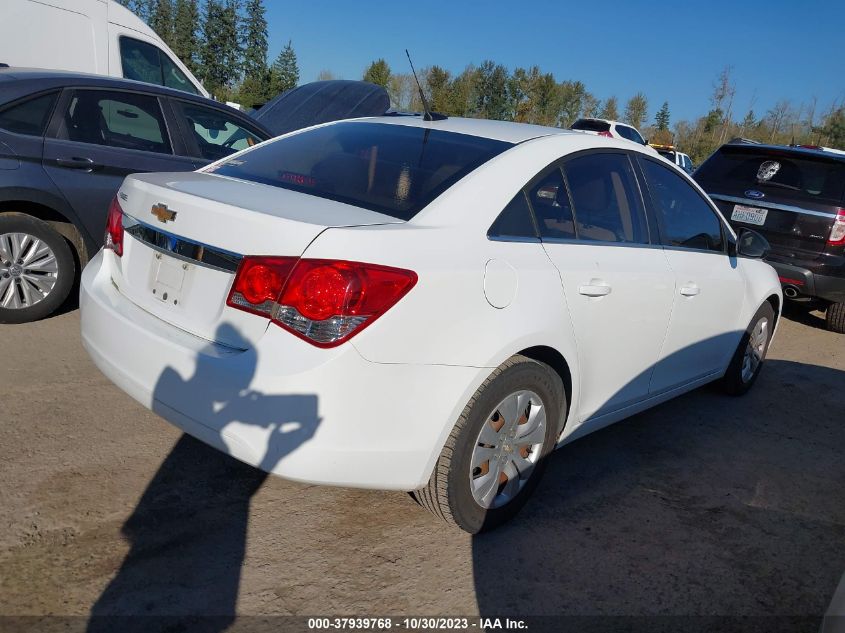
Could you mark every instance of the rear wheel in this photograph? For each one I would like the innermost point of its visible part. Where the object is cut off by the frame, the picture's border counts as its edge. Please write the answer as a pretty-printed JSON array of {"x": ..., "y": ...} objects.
[
  {"x": 835, "y": 317},
  {"x": 37, "y": 269},
  {"x": 748, "y": 359},
  {"x": 495, "y": 455}
]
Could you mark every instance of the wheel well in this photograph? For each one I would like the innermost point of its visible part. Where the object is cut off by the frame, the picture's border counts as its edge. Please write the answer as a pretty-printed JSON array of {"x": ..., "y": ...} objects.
[
  {"x": 775, "y": 301},
  {"x": 554, "y": 359},
  {"x": 56, "y": 220}
]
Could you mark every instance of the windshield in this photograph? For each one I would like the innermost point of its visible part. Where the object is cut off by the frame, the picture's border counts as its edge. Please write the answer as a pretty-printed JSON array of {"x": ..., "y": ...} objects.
[
  {"x": 393, "y": 169},
  {"x": 775, "y": 171}
]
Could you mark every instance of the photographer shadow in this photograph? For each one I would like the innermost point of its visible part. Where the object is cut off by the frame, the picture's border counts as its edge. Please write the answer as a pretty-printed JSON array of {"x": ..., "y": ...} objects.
[{"x": 188, "y": 531}]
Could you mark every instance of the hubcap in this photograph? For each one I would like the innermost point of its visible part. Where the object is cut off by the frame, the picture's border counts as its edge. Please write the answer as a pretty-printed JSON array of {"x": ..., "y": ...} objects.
[
  {"x": 507, "y": 449},
  {"x": 755, "y": 349},
  {"x": 28, "y": 270}
]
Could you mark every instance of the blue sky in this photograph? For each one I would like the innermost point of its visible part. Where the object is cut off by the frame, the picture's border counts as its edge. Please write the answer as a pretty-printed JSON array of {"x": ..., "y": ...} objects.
[{"x": 671, "y": 51}]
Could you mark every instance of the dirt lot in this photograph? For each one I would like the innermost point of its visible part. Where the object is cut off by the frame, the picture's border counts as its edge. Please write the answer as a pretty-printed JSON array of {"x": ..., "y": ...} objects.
[{"x": 706, "y": 505}]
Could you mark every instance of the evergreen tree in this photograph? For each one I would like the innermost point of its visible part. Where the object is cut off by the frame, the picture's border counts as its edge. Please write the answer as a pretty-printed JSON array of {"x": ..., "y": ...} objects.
[
  {"x": 661, "y": 119},
  {"x": 609, "y": 110},
  {"x": 161, "y": 21},
  {"x": 214, "y": 73},
  {"x": 636, "y": 109},
  {"x": 254, "y": 38},
  {"x": 285, "y": 71},
  {"x": 749, "y": 122},
  {"x": 185, "y": 27},
  {"x": 232, "y": 53},
  {"x": 439, "y": 83},
  {"x": 378, "y": 73}
]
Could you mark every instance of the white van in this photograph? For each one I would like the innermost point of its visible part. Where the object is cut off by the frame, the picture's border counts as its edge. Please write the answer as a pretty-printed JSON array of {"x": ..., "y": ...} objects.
[{"x": 92, "y": 36}]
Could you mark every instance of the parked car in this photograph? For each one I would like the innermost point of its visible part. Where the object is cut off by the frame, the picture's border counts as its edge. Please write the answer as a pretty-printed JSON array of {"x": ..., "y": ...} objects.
[
  {"x": 400, "y": 304},
  {"x": 89, "y": 36},
  {"x": 674, "y": 156},
  {"x": 67, "y": 140},
  {"x": 794, "y": 196},
  {"x": 611, "y": 129}
]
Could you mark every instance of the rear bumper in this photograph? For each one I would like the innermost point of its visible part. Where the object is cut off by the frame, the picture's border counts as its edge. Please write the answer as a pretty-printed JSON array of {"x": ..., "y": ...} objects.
[
  {"x": 809, "y": 283},
  {"x": 307, "y": 414}
]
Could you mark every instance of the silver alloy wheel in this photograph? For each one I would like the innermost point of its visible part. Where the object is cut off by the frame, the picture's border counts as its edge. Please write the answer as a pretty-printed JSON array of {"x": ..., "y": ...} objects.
[
  {"x": 28, "y": 270},
  {"x": 755, "y": 349},
  {"x": 507, "y": 449}
]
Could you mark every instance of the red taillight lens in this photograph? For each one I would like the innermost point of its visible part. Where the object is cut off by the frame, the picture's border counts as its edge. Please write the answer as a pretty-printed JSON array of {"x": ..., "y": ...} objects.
[
  {"x": 837, "y": 233},
  {"x": 114, "y": 228},
  {"x": 259, "y": 282},
  {"x": 323, "y": 301},
  {"x": 607, "y": 134}
]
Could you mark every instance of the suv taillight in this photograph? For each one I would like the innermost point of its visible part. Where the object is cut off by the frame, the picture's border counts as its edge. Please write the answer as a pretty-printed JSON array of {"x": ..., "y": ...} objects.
[
  {"x": 837, "y": 233},
  {"x": 114, "y": 228},
  {"x": 325, "y": 302}
]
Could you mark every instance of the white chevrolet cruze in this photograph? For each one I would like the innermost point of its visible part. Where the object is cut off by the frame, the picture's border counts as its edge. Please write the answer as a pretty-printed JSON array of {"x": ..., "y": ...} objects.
[{"x": 430, "y": 306}]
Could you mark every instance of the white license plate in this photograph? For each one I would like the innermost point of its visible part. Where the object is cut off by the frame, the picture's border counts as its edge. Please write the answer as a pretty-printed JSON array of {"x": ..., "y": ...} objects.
[
  {"x": 168, "y": 278},
  {"x": 749, "y": 215}
]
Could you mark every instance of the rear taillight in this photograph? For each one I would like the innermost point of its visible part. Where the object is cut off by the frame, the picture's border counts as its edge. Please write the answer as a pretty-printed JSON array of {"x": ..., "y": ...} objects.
[
  {"x": 837, "y": 233},
  {"x": 322, "y": 301},
  {"x": 114, "y": 228},
  {"x": 606, "y": 133}
]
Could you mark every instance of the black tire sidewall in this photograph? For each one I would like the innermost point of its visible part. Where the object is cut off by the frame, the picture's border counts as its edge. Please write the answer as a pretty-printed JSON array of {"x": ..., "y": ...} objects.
[
  {"x": 532, "y": 376},
  {"x": 20, "y": 223},
  {"x": 733, "y": 382}
]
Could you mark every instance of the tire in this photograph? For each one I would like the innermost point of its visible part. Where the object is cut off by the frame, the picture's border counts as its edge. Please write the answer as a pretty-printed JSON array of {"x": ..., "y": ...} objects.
[
  {"x": 35, "y": 288},
  {"x": 835, "y": 318},
  {"x": 449, "y": 493},
  {"x": 739, "y": 377}
]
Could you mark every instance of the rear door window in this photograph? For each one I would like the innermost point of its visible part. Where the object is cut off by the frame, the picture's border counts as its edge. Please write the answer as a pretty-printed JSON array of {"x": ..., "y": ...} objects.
[
  {"x": 776, "y": 173},
  {"x": 28, "y": 117},
  {"x": 515, "y": 221},
  {"x": 389, "y": 168},
  {"x": 217, "y": 134},
  {"x": 606, "y": 198},
  {"x": 142, "y": 61},
  {"x": 550, "y": 201},
  {"x": 684, "y": 217},
  {"x": 115, "y": 119}
]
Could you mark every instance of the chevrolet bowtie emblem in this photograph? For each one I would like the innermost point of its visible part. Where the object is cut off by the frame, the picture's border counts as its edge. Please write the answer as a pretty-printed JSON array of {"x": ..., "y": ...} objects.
[{"x": 163, "y": 214}]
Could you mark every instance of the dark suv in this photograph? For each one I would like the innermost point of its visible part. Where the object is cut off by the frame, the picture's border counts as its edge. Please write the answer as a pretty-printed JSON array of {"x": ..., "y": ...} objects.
[
  {"x": 795, "y": 196},
  {"x": 67, "y": 141}
]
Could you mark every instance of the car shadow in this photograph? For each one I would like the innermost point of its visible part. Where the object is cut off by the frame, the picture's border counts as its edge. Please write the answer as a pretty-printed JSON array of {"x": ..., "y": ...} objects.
[
  {"x": 705, "y": 513},
  {"x": 803, "y": 314},
  {"x": 187, "y": 534}
]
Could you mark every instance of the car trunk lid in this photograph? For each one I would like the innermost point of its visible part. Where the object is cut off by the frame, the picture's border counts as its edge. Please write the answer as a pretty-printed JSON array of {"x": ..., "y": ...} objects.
[{"x": 185, "y": 234}]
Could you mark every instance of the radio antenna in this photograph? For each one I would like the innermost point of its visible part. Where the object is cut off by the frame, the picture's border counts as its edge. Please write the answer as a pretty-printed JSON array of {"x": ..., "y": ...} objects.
[{"x": 429, "y": 115}]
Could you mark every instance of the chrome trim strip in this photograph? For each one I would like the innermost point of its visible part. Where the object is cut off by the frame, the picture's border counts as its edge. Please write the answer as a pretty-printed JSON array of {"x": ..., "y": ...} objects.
[
  {"x": 770, "y": 205},
  {"x": 181, "y": 248}
]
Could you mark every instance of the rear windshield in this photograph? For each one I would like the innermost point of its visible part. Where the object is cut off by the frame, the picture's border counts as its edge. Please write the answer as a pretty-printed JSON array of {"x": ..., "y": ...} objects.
[
  {"x": 393, "y": 169},
  {"x": 788, "y": 173},
  {"x": 591, "y": 125}
]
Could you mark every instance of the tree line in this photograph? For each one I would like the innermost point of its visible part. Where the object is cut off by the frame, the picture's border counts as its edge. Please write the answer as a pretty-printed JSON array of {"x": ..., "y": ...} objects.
[{"x": 225, "y": 44}]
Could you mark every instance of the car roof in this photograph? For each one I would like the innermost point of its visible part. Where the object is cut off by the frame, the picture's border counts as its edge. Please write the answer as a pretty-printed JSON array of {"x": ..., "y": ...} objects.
[
  {"x": 40, "y": 78},
  {"x": 508, "y": 131},
  {"x": 798, "y": 151}
]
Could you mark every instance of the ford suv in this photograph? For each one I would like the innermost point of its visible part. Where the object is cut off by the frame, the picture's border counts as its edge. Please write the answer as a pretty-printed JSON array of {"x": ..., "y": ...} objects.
[{"x": 795, "y": 197}]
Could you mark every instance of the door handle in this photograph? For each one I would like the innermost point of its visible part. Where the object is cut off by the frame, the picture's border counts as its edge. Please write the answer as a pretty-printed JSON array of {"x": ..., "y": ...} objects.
[
  {"x": 596, "y": 288},
  {"x": 77, "y": 163},
  {"x": 690, "y": 289}
]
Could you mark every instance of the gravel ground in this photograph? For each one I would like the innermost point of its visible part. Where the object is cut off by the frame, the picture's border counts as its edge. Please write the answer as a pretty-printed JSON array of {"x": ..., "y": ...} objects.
[{"x": 706, "y": 505}]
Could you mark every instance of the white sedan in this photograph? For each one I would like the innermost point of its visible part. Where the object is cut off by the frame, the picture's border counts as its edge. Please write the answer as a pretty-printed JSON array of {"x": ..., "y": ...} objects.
[{"x": 430, "y": 306}]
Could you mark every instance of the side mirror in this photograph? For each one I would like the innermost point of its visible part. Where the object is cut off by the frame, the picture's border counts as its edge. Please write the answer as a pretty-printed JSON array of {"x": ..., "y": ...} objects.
[{"x": 752, "y": 244}]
